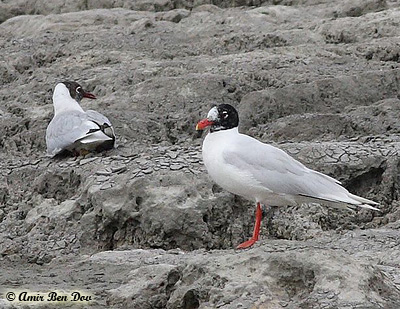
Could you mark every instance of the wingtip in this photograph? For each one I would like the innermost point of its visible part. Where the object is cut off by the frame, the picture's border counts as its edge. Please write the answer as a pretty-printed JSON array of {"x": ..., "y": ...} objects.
[{"x": 367, "y": 206}]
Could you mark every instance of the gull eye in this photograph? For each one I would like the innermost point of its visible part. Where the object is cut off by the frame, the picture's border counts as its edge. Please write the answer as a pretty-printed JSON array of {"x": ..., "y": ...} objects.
[
  {"x": 78, "y": 89},
  {"x": 224, "y": 114}
]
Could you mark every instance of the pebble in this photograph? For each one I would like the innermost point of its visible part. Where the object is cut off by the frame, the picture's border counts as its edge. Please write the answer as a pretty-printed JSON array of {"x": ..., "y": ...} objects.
[
  {"x": 101, "y": 178},
  {"x": 137, "y": 174},
  {"x": 131, "y": 155},
  {"x": 147, "y": 171},
  {"x": 119, "y": 169},
  {"x": 61, "y": 244},
  {"x": 173, "y": 155},
  {"x": 141, "y": 161},
  {"x": 180, "y": 160},
  {"x": 103, "y": 173},
  {"x": 117, "y": 158},
  {"x": 159, "y": 158},
  {"x": 176, "y": 251},
  {"x": 176, "y": 167},
  {"x": 106, "y": 186},
  {"x": 84, "y": 161}
]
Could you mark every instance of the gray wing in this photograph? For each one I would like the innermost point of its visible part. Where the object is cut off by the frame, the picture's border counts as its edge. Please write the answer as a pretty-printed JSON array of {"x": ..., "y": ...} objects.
[
  {"x": 65, "y": 129},
  {"x": 276, "y": 170},
  {"x": 102, "y": 121},
  {"x": 97, "y": 117}
]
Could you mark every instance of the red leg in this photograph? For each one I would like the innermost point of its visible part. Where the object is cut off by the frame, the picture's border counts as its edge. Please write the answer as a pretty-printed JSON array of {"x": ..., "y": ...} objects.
[{"x": 256, "y": 232}]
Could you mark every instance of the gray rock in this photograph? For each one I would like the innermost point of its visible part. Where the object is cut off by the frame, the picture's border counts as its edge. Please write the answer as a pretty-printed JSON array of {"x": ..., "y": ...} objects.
[
  {"x": 358, "y": 8},
  {"x": 316, "y": 78}
]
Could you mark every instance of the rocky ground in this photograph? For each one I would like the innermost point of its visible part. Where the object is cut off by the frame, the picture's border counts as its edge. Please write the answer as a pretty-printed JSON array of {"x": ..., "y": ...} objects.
[{"x": 143, "y": 226}]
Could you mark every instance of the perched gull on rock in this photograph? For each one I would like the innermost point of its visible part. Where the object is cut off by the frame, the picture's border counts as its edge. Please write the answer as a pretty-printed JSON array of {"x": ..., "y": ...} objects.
[
  {"x": 262, "y": 173},
  {"x": 74, "y": 130}
]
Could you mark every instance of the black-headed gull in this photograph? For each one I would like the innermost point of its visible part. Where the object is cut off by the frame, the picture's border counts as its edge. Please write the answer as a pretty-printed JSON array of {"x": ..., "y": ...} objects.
[
  {"x": 262, "y": 173},
  {"x": 74, "y": 130}
]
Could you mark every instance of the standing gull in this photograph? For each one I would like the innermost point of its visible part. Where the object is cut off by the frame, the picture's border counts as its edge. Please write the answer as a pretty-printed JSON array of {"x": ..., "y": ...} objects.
[
  {"x": 74, "y": 130},
  {"x": 262, "y": 173}
]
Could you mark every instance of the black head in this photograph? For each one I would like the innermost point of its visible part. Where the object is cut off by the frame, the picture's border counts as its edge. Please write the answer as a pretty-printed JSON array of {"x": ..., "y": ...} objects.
[
  {"x": 221, "y": 117},
  {"x": 77, "y": 92}
]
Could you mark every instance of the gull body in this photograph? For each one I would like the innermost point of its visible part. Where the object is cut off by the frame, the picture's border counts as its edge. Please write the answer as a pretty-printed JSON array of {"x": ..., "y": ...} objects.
[
  {"x": 74, "y": 130},
  {"x": 263, "y": 173}
]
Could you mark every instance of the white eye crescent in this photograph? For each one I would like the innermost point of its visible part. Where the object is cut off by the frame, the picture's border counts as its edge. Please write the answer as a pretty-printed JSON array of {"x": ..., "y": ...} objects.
[{"x": 78, "y": 89}]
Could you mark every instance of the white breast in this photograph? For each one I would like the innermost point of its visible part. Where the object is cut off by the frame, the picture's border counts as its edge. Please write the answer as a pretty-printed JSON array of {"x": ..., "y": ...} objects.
[
  {"x": 233, "y": 179},
  {"x": 226, "y": 175}
]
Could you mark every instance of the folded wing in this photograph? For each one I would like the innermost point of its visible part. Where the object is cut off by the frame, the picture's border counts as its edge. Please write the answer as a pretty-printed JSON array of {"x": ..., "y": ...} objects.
[
  {"x": 66, "y": 129},
  {"x": 276, "y": 170},
  {"x": 102, "y": 121}
]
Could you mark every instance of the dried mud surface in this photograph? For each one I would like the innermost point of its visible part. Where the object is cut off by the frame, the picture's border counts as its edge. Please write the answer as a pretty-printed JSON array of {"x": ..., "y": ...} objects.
[{"x": 143, "y": 226}]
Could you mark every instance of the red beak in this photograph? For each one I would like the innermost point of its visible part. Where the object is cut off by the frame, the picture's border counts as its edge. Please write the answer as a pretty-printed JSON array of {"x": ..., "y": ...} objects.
[
  {"x": 89, "y": 95},
  {"x": 202, "y": 124}
]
